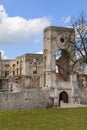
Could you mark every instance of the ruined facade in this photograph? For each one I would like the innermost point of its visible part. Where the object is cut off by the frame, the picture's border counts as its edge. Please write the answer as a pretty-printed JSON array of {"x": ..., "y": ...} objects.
[
  {"x": 47, "y": 75},
  {"x": 22, "y": 72}
]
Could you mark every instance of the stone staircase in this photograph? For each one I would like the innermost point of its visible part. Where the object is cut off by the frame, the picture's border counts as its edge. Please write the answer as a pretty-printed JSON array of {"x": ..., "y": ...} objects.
[{"x": 70, "y": 105}]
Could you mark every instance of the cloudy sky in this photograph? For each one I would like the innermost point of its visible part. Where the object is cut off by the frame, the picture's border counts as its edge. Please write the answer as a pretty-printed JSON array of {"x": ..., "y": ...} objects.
[{"x": 22, "y": 22}]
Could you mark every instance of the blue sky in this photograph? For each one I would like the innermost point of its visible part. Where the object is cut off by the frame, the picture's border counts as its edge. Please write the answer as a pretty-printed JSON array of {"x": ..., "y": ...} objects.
[{"x": 22, "y": 22}]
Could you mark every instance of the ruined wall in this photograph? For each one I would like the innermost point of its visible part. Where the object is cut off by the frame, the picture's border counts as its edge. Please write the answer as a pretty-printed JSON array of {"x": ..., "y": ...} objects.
[
  {"x": 34, "y": 63},
  {"x": 33, "y": 68},
  {"x": 22, "y": 72},
  {"x": 28, "y": 99},
  {"x": 17, "y": 66},
  {"x": 82, "y": 87}
]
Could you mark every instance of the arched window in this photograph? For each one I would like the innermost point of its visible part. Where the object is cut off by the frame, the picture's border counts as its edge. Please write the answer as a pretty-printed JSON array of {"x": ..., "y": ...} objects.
[
  {"x": 62, "y": 63},
  {"x": 58, "y": 54}
]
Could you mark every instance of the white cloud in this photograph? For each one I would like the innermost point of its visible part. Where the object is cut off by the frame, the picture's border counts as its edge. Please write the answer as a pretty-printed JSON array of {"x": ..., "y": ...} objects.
[
  {"x": 40, "y": 52},
  {"x": 17, "y": 29},
  {"x": 66, "y": 19},
  {"x": 3, "y": 14},
  {"x": 3, "y": 56}
]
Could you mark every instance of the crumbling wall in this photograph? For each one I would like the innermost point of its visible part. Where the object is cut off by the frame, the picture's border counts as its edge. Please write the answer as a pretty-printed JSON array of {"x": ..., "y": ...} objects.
[
  {"x": 82, "y": 88},
  {"x": 27, "y": 99}
]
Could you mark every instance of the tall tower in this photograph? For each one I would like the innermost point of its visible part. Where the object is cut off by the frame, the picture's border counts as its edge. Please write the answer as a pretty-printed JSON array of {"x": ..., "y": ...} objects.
[{"x": 55, "y": 39}]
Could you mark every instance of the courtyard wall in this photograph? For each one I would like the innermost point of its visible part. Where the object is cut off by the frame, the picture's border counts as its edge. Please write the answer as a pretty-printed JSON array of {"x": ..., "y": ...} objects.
[{"x": 27, "y": 99}]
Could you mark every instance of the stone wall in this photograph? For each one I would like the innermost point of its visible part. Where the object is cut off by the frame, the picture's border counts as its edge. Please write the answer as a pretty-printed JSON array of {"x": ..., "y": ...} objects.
[{"x": 27, "y": 99}]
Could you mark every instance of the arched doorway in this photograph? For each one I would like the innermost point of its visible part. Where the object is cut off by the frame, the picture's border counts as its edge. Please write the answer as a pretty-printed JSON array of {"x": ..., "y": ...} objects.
[{"x": 63, "y": 97}]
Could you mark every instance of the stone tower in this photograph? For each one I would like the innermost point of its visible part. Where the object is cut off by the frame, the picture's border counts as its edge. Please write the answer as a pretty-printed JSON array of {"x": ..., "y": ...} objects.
[
  {"x": 0, "y": 55},
  {"x": 57, "y": 39}
]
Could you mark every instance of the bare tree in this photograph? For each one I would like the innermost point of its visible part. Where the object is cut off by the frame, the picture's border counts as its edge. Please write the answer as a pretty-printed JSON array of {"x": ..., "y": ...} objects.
[{"x": 80, "y": 45}]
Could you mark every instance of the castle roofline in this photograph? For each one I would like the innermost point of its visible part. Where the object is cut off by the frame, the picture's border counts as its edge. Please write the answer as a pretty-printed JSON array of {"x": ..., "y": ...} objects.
[
  {"x": 29, "y": 54},
  {"x": 57, "y": 28}
]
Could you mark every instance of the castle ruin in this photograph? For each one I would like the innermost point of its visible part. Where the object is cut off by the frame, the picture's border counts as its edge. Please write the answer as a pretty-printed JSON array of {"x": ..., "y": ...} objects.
[{"x": 34, "y": 81}]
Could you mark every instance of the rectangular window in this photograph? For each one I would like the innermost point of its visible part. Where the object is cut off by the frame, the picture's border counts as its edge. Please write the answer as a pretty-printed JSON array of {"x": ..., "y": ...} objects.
[
  {"x": 17, "y": 71},
  {"x": 13, "y": 72},
  {"x": 35, "y": 70}
]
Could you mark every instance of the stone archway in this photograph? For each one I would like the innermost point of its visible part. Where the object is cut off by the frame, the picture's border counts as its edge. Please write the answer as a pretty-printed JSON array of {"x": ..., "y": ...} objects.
[{"x": 63, "y": 97}]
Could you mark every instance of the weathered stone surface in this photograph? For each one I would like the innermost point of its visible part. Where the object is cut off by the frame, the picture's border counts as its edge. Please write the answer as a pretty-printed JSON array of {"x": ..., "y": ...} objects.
[{"x": 27, "y": 99}]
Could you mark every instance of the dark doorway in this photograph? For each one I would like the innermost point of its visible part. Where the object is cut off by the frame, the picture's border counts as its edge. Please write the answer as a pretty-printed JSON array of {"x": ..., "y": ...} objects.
[{"x": 63, "y": 97}]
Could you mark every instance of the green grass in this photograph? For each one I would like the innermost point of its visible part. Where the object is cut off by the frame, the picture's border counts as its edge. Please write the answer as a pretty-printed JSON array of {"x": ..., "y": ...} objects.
[{"x": 48, "y": 119}]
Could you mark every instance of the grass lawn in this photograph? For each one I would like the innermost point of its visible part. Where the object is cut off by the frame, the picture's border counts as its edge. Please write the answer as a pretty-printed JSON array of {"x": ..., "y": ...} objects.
[{"x": 48, "y": 119}]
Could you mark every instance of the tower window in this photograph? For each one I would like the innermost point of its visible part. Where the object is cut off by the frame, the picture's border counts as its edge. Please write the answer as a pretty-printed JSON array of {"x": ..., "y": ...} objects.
[{"x": 62, "y": 39}]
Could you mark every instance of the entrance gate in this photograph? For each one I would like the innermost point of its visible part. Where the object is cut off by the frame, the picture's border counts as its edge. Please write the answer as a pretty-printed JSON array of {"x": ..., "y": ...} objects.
[{"x": 63, "y": 97}]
